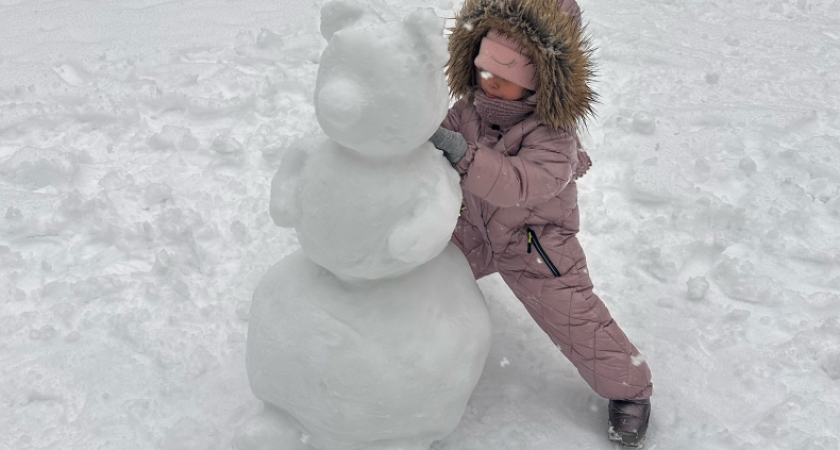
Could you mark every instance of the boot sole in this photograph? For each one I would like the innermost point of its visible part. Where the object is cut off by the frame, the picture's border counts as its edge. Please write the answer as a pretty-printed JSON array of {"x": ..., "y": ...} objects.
[{"x": 618, "y": 437}]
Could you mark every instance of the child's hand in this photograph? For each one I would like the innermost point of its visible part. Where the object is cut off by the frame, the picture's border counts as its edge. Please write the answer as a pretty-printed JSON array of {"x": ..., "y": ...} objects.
[{"x": 451, "y": 143}]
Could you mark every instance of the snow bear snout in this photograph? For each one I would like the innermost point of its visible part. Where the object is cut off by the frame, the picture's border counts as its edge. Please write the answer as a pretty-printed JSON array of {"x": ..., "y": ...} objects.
[{"x": 340, "y": 102}]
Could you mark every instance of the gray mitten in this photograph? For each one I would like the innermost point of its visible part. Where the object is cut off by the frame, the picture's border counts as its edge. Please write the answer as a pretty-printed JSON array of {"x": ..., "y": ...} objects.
[{"x": 451, "y": 143}]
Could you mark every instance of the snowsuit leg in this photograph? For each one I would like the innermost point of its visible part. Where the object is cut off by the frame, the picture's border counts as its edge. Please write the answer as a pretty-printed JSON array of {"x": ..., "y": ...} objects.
[{"x": 575, "y": 319}]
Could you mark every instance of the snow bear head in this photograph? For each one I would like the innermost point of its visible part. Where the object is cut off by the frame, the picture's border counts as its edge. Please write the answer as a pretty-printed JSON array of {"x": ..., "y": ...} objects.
[{"x": 380, "y": 89}]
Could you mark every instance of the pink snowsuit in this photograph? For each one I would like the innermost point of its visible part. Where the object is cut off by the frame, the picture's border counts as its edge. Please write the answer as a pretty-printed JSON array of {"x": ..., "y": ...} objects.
[
  {"x": 520, "y": 215},
  {"x": 520, "y": 179}
]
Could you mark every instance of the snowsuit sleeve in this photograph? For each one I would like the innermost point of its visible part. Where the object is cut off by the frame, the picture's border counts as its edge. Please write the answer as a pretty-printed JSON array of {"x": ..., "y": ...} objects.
[
  {"x": 453, "y": 117},
  {"x": 541, "y": 169}
]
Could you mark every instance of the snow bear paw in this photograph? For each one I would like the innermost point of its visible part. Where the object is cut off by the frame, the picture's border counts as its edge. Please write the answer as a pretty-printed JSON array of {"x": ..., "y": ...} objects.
[{"x": 270, "y": 430}]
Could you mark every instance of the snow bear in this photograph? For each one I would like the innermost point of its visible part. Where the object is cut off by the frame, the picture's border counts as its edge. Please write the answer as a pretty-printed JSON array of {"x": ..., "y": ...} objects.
[
  {"x": 376, "y": 199},
  {"x": 374, "y": 334}
]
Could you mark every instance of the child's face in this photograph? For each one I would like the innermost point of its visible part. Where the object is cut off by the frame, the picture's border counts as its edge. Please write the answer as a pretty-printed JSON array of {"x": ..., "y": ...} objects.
[{"x": 498, "y": 87}]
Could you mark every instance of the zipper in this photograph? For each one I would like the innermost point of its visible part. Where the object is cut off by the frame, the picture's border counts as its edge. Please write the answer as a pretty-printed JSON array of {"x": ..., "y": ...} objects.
[{"x": 532, "y": 241}]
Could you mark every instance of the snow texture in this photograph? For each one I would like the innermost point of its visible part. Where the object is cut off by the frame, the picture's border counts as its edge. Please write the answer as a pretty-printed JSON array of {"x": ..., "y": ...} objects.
[
  {"x": 364, "y": 366},
  {"x": 358, "y": 89},
  {"x": 123, "y": 323}
]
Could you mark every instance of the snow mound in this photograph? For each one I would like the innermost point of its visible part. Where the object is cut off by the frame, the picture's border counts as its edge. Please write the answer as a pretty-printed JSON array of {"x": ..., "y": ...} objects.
[
  {"x": 378, "y": 362},
  {"x": 35, "y": 168}
]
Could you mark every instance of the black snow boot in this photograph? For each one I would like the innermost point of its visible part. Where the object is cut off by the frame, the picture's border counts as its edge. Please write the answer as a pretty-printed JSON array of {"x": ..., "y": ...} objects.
[{"x": 629, "y": 421}]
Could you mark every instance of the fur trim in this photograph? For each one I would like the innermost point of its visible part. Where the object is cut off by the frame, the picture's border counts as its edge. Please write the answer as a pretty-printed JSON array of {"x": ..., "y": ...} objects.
[{"x": 558, "y": 49}]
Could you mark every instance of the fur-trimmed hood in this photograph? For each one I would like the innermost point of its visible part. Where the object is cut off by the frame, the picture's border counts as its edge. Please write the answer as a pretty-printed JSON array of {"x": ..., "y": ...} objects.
[{"x": 558, "y": 49}]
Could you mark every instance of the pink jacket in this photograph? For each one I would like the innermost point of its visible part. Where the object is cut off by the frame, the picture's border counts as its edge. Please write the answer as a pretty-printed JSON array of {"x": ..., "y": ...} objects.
[
  {"x": 515, "y": 177},
  {"x": 519, "y": 191}
]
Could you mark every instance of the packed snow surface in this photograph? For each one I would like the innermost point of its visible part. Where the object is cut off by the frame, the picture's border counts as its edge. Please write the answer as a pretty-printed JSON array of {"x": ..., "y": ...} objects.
[{"x": 138, "y": 140}]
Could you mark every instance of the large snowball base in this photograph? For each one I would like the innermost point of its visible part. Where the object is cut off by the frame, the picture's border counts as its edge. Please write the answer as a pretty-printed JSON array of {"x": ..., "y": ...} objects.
[{"x": 385, "y": 364}]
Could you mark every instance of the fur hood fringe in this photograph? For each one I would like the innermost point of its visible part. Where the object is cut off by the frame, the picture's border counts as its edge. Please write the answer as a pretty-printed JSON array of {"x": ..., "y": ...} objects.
[{"x": 558, "y": 49}]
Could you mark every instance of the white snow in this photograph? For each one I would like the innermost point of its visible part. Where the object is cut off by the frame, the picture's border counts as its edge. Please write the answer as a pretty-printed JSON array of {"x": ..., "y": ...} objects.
[
  {"x": 350, "y": 340},
  {"x": 358, "y": 90},
  {"x": 370, "y": 364},
  {"x": 698, "y": 287},
  {"x": 367, "y": 219},
  {"x": 122, "y": 324},
  {"x": 375, "y": 199}
]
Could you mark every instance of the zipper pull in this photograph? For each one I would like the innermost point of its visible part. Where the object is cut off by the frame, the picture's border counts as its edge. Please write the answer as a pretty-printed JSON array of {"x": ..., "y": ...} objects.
[{"x": 530, "y": 237}]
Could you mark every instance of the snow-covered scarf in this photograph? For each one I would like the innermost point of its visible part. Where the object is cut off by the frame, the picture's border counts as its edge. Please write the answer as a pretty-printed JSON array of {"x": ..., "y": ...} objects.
[{"x": 503, "y": 113}]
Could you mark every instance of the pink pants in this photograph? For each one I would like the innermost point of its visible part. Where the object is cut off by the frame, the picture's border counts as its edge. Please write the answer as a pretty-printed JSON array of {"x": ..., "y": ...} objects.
[{"x": 564, "y": 306}]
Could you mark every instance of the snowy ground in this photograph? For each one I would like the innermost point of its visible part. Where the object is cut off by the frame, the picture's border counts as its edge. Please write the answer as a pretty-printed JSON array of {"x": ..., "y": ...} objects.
[{"x": 138, "y": 140}]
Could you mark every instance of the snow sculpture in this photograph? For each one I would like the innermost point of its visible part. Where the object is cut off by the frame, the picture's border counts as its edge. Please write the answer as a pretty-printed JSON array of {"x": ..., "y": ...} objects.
[{"x": 374, "y": 334}]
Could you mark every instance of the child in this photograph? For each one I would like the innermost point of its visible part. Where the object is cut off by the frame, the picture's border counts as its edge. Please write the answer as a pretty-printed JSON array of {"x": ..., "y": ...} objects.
[{"x": 520, "y": 69}]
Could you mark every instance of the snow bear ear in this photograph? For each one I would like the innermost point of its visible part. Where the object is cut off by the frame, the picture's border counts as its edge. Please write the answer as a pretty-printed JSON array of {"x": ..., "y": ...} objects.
[
  {"x": 340, "y": 14},
  {"x": 426, "y": 28}
]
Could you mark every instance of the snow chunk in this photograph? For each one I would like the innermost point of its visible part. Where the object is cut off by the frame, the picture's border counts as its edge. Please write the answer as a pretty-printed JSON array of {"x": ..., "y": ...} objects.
[
  {"x": 698, "y": 287},
  {"x": 813, "y": 348},
  {"x": 737, "y": 280},
  {"x": 243, "y": 310},
  {"x": 832, "y": 366},
  {"x": 658, "y": 181},
  {"x": 34, "y": 168},
  {"x": 170, "y": 137},
  {"x": 73, "y": 73},
  {"x": 732, "y": 40},
  {"x": 643, "y": 123},
  {"x": 188, "y": 433},
  {"x": 712, "y": 78},
  {"x": 226, "y": 145},
  {"x": 748, "y": 166},
  {"x": 156, "y": 193},
  {"x": 268, "y": 39}
]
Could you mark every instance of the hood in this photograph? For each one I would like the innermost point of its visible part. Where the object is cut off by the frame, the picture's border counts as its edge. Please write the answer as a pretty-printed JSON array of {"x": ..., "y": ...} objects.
[{"x": 558, "y": 49}]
